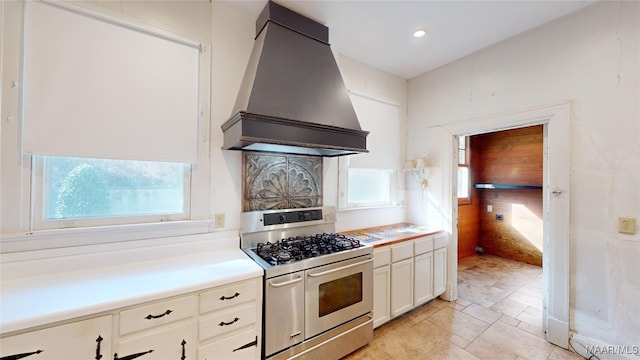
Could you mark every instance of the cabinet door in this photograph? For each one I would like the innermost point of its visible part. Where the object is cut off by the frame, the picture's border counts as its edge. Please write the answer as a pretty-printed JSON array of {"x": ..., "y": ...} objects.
[
  {"x": 241, "y": 346},
  {"x": 401, "y": 287},
  {"x": 381, "y": 298},
  {"x": 78, "y": 340},
  {"x": 423, "y": 280},
  {"x": 168, "y": 343},
  {"x": 439, "y": 271}
]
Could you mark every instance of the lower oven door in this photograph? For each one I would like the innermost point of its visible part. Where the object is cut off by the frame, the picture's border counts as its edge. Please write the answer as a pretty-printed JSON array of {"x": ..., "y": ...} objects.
[
  {"x": 284, "y": 312},
  {"x": 337, "y": 293}
]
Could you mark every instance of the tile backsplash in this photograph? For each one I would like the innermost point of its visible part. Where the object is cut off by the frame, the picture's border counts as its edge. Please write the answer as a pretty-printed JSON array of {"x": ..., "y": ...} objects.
[{"x": 278, "y": 181}]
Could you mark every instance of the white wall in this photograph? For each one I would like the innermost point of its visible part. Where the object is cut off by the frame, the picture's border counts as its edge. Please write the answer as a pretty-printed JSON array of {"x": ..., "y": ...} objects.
[{"x": 591, "y": 59}]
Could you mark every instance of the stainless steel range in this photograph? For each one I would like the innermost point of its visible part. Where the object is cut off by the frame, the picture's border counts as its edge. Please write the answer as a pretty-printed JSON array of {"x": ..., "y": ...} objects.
[{"x": 318, "y": 285}]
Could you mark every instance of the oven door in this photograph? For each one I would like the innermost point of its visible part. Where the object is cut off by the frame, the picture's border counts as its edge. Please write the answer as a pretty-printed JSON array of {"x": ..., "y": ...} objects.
[
  {"x": 337, "y": 293},
  {"x": 284, "y": 309}
]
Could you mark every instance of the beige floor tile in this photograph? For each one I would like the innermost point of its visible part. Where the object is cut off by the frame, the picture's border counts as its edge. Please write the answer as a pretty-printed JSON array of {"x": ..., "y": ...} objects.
[
  {"x": 497, "y": 316},
  {"x": 482, "y": 313},
  {"x": 506, "y": 342},
  {"x": 458, "y": 323}
]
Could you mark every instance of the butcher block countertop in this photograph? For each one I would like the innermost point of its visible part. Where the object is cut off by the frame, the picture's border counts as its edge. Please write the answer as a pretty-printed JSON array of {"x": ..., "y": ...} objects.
[{"x": 390, "y": 234}]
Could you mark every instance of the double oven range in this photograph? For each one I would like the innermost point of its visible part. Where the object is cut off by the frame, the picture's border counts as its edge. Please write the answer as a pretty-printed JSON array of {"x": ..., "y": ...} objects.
[{"x": 318, "y": 285}]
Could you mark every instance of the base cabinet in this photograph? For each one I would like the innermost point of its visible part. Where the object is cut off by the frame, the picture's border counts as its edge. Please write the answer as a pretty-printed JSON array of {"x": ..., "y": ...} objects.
[
  {"x": 423, "y": 281},
  {"x": 401, "y": 287},
  {"x": 240, "y": 346},
  {"x": 439, "y": 270},
  {"x": 219, "y": 323},
  {"x": 82, "y": 340},
  {"x": 170, "y": 342},
  {"x": 407, "y": 275}
]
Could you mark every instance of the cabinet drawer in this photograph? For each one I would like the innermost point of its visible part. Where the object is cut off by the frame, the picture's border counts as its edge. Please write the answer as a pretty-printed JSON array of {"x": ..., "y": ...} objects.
[
  {"x": 226, "y": 296},
  {"x": 423, "y": 245},
  {"x": 151, "y": 315},
  {"x": 224, "y": 322},
  {"x": 440, "y": 241},
  {"x": 241, "y": 346},
  {"x": 381, "y": 257},
  {"x": 168, "y": 343},
  {"x": 402, "y": 251}
]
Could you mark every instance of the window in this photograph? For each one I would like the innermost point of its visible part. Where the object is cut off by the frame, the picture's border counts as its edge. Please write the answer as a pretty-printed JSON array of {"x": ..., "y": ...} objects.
[
  {"x": 370, "y": 187},
  {"x": 123, "y": 190},
  {"x": 463, "y": 170},
  {"x": 369, "y": 180}
]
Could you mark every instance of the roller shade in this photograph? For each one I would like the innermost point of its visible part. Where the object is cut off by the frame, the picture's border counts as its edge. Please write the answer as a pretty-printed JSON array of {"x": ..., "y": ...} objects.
[
  {"x": 98, "y": 88},
  {"x": 382, "y": 120}
]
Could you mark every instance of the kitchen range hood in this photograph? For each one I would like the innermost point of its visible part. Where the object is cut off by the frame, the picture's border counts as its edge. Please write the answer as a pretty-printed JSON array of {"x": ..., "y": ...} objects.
[{"x": 292, "y": 98}]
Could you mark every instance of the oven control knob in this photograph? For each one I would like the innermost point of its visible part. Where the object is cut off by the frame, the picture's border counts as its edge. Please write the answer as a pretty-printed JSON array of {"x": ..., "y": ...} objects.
[{"x": 282, "y": 218}]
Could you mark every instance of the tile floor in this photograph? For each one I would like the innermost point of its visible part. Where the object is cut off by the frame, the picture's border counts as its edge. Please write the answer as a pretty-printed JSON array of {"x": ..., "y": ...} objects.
[{"x": 497, "y": 316}]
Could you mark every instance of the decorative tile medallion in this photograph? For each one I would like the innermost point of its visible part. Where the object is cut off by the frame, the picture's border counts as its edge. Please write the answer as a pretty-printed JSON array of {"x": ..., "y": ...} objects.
[{"x": 278, "y": 181}]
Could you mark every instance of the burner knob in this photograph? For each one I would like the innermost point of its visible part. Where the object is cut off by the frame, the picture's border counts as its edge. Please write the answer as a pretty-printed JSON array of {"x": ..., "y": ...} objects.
[{"x": 282, "y": 218}]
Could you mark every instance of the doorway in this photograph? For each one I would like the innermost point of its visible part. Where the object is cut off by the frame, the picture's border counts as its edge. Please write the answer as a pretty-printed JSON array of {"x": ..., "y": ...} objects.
[{"x": 555, "y": 210}]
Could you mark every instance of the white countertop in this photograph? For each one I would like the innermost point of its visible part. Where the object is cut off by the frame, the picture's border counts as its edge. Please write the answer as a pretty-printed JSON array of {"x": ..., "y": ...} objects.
[{"x": 31, "y": 302}]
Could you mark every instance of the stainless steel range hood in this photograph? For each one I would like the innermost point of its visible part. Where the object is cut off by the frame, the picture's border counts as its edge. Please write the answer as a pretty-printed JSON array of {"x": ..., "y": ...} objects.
[{"x": 292, "y": 98}]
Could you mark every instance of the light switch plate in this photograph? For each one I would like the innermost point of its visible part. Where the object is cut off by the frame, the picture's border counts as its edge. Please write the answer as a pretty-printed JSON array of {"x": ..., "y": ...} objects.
[{"x": 627, "y": 225}]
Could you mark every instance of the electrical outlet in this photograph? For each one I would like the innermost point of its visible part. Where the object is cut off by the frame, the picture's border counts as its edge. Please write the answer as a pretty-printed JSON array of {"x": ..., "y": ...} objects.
[
  {"x": 489, "y": 208},
  {"x": 627, "y": 225},
  {"x": 219, "y": 220}
]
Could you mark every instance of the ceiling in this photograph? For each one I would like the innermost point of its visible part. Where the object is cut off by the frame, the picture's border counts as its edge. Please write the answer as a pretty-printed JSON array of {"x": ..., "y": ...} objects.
[{"x": 379, "y": 33}]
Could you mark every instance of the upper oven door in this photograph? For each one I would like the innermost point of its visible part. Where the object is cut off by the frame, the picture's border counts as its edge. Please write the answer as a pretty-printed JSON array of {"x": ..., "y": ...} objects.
[{"x": 337, "y": 293}]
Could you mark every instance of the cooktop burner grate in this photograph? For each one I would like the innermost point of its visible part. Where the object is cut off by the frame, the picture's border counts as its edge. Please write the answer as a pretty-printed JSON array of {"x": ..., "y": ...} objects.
[{"x": 303, "y": 247}]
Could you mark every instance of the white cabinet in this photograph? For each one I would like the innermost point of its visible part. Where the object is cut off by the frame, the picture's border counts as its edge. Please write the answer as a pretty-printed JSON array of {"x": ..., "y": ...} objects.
[
  {"x": 408, "y": 274},
  {"x": 169, "y": 342},
  {"x": 84, "y": 340},
  {"x": 423, "y": 281},
  {"x": 439, "y": 271},
  {"x": 440, "y": 243},
  {"x": 159, "y": 330},
  {"x": 219, "y": 323},
  {"x": 401, "y": 287},
  {"x": 423, "y": 270},
  {"x": 381, "y": 286},
  {"x": 231, "y": 321},
  {"x": 401, "y": 278}
]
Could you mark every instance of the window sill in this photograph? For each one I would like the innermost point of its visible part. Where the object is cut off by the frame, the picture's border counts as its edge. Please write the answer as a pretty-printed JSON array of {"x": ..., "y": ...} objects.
[
  {"x": 371, "y": 207},
  {"x": 74, "y": 237}
]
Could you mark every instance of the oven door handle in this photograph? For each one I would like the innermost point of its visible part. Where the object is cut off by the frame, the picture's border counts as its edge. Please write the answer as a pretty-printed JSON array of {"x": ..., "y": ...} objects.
[
  {"x": 339, "y": 269},
  {"x": 285, "y": 283}
]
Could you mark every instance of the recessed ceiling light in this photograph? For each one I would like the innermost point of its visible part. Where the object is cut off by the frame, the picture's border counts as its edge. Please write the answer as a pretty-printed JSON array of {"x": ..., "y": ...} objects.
[{"x": 419, "y": 33}]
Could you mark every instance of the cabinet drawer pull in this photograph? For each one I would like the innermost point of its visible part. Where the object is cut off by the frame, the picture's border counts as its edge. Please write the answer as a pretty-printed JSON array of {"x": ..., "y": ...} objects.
[
  {"x": 149, "y": 317},
  {"x": 222, "y": 323},
  {"x": 132, "y": 356},
  {"x": 223, "y": 298},
  {"x": 184, "y": 353},
  {"x": 248, "y": 345},
  {"x": 98, "y": 354},
  {"x": 23, "y": 355}
]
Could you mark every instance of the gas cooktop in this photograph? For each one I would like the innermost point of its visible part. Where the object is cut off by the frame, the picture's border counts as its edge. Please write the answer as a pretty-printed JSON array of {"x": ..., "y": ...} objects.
[{"x": 298, "y": 248}]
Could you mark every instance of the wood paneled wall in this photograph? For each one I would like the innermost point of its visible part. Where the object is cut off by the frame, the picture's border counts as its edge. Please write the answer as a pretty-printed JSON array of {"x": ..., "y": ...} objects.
[{"x": 512, "y": 157}]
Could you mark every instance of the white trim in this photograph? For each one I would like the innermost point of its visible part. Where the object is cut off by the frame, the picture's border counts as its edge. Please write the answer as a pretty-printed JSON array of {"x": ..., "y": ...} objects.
[
  {"x": 556, "y": 119},
  {"x": 65, "y": 238},
  {"x": 149, "y": 30}
]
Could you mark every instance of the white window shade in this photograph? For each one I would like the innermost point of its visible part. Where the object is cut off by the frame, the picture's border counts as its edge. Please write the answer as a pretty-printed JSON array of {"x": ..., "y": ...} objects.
[
  {"x": 102, "y": 89},
  {"x": 382, "y": 120}
]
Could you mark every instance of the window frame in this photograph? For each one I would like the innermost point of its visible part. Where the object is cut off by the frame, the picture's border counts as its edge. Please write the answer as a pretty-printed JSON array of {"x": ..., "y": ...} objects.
[
  {"x": 465, "y": 164},
  {"x": 391, "y": 191},
  {"x": 39, "y": 202}
]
